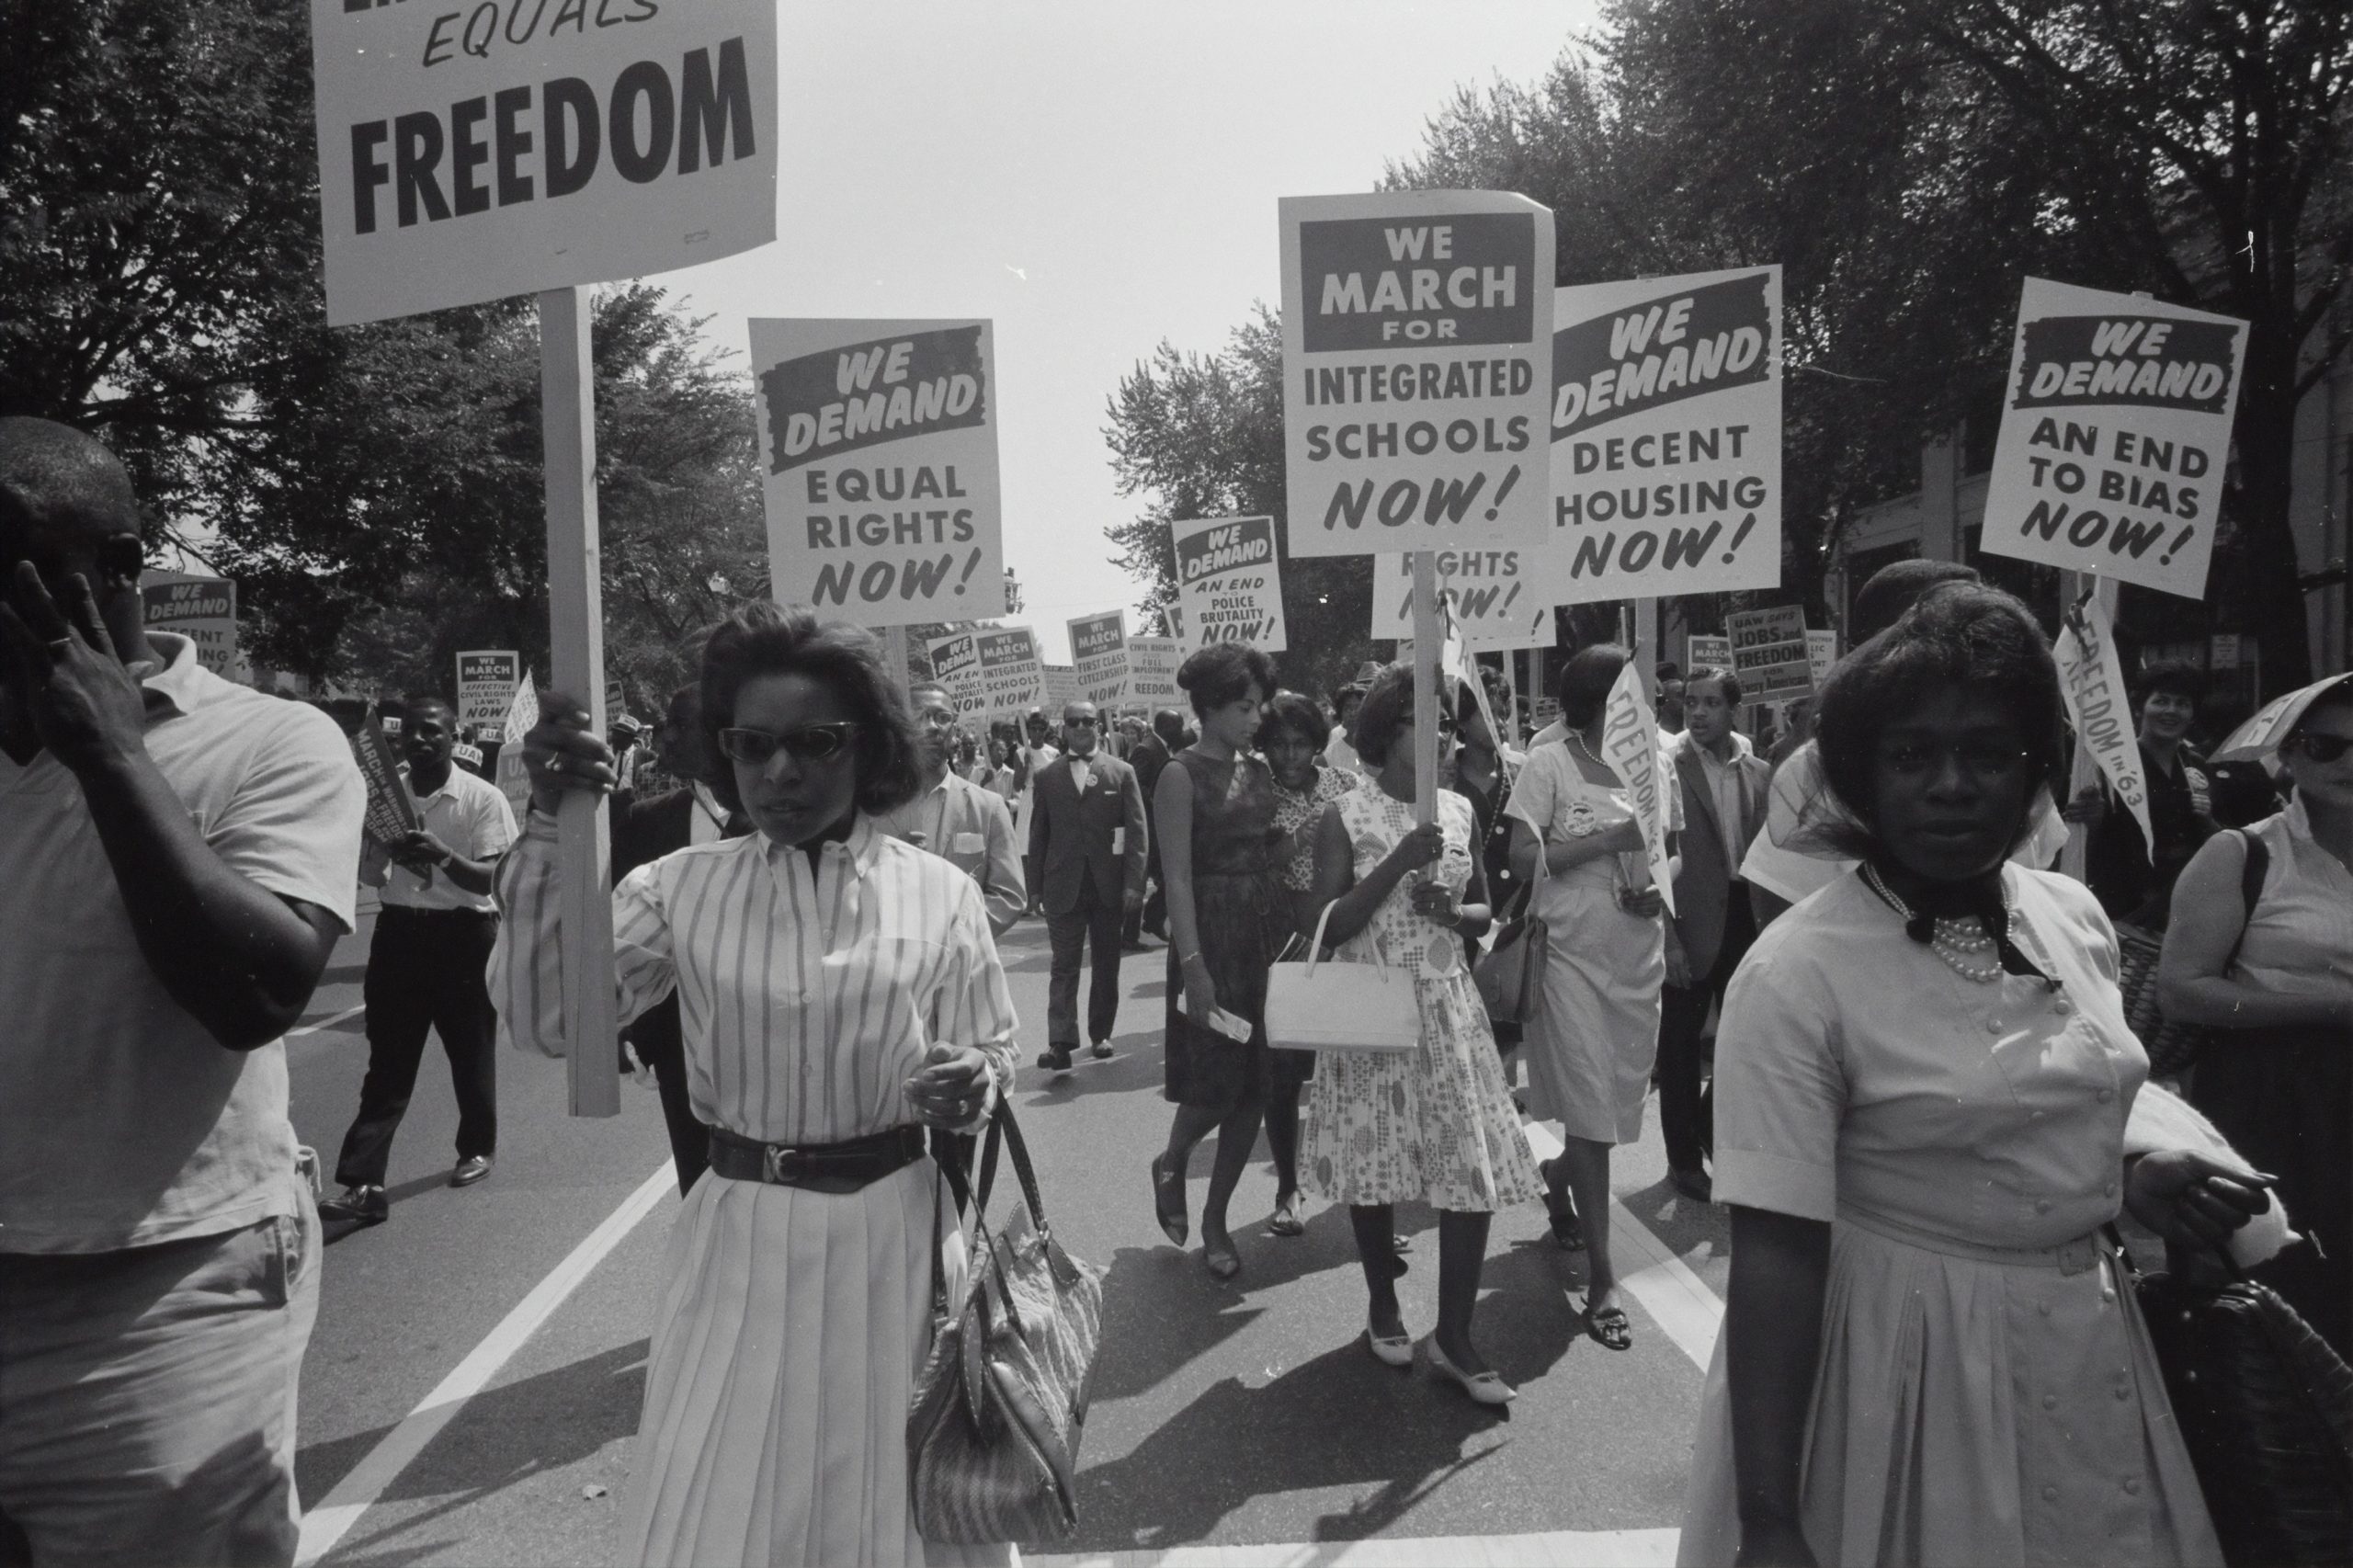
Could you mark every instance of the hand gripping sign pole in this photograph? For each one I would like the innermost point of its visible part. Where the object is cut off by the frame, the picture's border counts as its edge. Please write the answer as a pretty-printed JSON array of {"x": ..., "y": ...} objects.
[{"x": 576, "y": 631}]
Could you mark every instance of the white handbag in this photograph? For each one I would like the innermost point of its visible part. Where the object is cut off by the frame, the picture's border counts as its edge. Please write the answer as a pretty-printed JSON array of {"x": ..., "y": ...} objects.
[{"x": 1313, "y": 1005}]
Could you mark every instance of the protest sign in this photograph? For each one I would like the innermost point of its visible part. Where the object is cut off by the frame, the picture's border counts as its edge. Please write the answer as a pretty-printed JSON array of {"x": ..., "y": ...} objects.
[
  {"x": 2115, "y": 426},
  {"x": 522, "y": 712},
  {"x": 1231, "y": 582},
  {"x": 391, "y": 810},
  {"x": 1153, "y": 662},
  {"x": 1769, "y": 651},
  {"x": 1704, "y": 651},
  {"x": 1821, "y": 653},
  {"x": 1415, "y": 374},
  {"x": 1099, "y": 645},
  {"x": 1667, "y": 435},
  {"x": 202, "y": 609},
  {"x": 470, "y": 152},
  {"x": 1500, "y": 600},
  {"x": 877, "y": 462},
  {"x": 486, "y": 680},
  {"x": 2099, "y": 705},
  {"x": 956, "y": 664},
  {"x": 1057, "y": 688},
  {"x": 1011, "y": 679},
  {"x": 1630, "y": 744}
]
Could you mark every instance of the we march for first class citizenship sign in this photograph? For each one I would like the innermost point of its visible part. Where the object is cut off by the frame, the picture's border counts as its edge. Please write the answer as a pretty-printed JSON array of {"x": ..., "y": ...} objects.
[{"x": 473, "y": 149}]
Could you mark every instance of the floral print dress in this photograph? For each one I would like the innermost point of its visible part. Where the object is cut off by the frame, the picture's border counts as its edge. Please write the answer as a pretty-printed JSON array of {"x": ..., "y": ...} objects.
[{"x": 1435, "y": 1123}]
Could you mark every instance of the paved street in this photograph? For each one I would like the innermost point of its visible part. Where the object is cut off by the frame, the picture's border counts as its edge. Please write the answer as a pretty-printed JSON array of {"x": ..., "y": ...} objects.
[{"x": 1235, "y": 1415}]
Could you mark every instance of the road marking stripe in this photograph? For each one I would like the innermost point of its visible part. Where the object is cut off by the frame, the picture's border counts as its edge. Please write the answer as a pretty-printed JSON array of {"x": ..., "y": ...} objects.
[
  {"x": 1548, "y": 1549},
  {"x": 326, "y": 1023},
  {"x": 1679, "y": 1299},
  {"x": 327, "y": 1525}
]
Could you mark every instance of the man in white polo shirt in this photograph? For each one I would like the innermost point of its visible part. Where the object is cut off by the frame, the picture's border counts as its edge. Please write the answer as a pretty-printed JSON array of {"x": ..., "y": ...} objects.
[
  {"x": 179, "y": 856},
  {"x": 425, "y": 966}
]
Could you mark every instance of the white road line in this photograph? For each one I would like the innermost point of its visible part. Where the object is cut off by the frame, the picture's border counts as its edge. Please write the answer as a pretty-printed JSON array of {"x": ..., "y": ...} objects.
[
  {"x": 1548, "y": 1549},
  {"x": 326, "y": 1023},
  {"x": 325, "y": 1525},
  {"x": 1678, "y": 1299}
]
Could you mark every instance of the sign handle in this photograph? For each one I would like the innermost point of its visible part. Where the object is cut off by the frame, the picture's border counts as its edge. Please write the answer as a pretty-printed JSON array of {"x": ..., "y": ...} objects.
[
  {"x": 2074, "y": 861},
  {"x": 1645, "y": 647},
  {"x": 576, "y": 634},
  {"x": 1429, "y": 629},
  {"x": 894, "y": 652}
]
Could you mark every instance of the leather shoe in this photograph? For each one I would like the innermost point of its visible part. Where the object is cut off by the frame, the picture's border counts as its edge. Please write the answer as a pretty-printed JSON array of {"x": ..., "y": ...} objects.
[
  {"x": 1100, "y": 1050},
  {"x": 358, "y": 1205},
  {"x": 471, "y": 1169},
  {"x": 1695, "y": 1185},
  {"x": 1056, "y": 1060}
]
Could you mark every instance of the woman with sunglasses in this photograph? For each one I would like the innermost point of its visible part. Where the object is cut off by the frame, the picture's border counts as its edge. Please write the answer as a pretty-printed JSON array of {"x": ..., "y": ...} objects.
[
  {"x": 1923, "y": 1081},
  {"x": 840, "y": 994},
  {"x": 1435, "y": 1124},
  {"x": 2275, "y": 985}
]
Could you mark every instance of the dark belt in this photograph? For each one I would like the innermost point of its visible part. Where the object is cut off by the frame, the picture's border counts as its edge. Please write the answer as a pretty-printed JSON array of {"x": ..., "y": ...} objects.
[{"x": 820, "y": 1168}]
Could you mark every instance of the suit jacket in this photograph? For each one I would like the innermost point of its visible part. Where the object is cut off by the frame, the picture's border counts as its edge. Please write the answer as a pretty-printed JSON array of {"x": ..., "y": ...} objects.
[
  {"x": 1711, "y": 851},
  {"x": 1149, "y": 757},
  {"x": 971, "y": 827},
  {"x": 1071, "y": 836}
]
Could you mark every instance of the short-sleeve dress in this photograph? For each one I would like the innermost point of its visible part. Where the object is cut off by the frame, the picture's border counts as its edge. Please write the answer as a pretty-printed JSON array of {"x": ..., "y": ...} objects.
[
  {"x": 1435, "y": 1124},
  {"x": 1241, "y": 920},
  {"x": 1590, "y": 1048},
  {"x": 1986, "y": 1392}
]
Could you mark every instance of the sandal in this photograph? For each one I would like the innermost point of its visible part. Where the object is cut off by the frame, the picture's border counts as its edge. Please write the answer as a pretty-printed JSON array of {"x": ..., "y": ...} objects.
[
  {"x": 1609, "y": 1327},
  {"x": 1286, "y": 1220},
  {"x": 1222, "y": 1261},
  {"x": 1566, "y": 1232},
  {"x": 1169, "y": 1202}
]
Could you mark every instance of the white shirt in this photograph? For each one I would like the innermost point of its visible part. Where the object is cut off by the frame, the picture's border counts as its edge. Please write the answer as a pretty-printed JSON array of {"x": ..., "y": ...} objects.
[
  {"x": 1081, "y": 774},
  {"x": 471, "y": 816},
  {"x": 806, "y": 997}
]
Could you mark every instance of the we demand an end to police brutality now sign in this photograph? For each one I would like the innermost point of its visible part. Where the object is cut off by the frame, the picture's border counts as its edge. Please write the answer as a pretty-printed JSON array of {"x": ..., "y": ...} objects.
[{"x": 473, "y": 149}]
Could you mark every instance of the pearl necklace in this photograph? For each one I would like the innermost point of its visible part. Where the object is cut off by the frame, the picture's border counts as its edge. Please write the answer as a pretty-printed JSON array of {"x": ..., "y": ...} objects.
[
  {"x": 1578, "y": 736},
  {"x": 1958, "y": 942}
]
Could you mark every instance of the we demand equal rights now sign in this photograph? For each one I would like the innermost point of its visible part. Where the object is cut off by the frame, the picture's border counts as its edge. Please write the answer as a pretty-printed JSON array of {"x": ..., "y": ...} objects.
[{"x": 877, "y": 452}]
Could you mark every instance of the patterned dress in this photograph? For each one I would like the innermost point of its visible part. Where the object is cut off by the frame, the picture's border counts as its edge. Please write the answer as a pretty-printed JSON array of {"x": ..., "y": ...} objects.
[
  {"x": 1435, "y": 1123},
  {"x": 1293, "y": 807}
]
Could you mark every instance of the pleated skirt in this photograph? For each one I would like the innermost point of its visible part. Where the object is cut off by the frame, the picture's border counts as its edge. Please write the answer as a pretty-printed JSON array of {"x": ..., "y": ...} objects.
[
  {"x": 783, "y": 1362},
  {"x": 1975, "y": 1414}
]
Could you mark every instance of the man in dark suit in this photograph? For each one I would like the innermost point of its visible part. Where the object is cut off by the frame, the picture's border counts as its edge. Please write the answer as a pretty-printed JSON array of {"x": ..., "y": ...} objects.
[
  {"x": 1088, "y": 840},
  {"x": 1148, "y": 757},
  {"x": 1724, "y": 786},
  {"x": 644, "y": 831}
]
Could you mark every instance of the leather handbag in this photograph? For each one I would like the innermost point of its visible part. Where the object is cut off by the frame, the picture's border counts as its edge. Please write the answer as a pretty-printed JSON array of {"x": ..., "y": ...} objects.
[
  {"x": 1320, "y": 1005},
  {"x": 1000, "y": 1403},
  {"x": 1510, "y": 976},
  {"x": 2173, "y": 1048},
  {"x": 2265, "y": 1409}
]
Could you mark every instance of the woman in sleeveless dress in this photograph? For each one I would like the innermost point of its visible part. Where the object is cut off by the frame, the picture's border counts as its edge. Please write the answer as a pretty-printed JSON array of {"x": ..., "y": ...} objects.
[
  {"x": 1435, "y": 1124},
  {"x": 1227, "y": 922}
]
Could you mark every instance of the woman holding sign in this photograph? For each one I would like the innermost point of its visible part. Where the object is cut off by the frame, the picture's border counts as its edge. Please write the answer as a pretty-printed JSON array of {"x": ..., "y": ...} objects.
[
  {"x": 1590, "y": 1047},
  {"x": 840, "y": 994}
]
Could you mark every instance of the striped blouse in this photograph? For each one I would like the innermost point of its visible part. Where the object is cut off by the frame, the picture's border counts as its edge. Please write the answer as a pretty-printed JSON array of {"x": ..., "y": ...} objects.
[{"x": 806, "y": 998}]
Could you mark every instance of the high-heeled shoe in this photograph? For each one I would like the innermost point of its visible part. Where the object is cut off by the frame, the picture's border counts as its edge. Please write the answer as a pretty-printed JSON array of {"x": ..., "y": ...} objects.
[
  {"x": 1484, "y": 1387},
  {"x": 1168, "y": 1201},
  {"x": 1395, "y": 1350}
]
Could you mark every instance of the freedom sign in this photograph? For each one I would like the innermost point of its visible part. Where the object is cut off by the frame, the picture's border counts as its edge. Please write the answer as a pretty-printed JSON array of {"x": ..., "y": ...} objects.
[
  {"x": 468, "y": 152},
  {"x": 1667, "y": 435},
  {"x": 1230, "y": 583},
  {"x": 1098, "y": 648},
  {"x": 1500, "y": 600},
  {"x": 878, "y": 464},
  {"x": 1416, "y": 327},
  {"x": 1771, "y": 652},
  {"x": 486, "y": 683},
  {"x": 2116, "y": 428},
  {"x": 202, "y": 609},
  {"x": 2099, "y": 705},
  {"x": 1153, "y": 662}
]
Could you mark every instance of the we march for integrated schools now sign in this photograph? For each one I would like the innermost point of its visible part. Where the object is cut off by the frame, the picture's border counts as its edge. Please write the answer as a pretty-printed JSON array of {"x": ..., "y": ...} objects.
[{"x": 471, "y": 150}]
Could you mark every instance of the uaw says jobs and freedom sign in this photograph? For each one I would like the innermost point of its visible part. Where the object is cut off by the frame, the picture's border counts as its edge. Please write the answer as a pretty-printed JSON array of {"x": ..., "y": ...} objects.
[
  {"x": 878, "y": 461},
  {"x": 1417, "y": 327},
  {"x": 475, "y": 148},
  {"x": 2115, "y": 429}
]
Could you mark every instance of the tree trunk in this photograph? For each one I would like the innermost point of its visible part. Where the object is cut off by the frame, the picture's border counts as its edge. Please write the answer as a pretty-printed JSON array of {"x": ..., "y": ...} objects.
[{"x": 2271, "y": 601}]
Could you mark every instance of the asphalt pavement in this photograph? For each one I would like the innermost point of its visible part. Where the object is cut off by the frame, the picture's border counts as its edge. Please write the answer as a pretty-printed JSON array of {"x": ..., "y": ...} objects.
[{"x": 459, "y": 1407}]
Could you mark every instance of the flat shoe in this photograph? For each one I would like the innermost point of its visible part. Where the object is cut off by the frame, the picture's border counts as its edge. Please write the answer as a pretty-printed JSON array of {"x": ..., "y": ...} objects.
[
  {"x": 1100, "y": 1050},
  {"x": 1609, "y": 1328},
  {"x": 1286, "y": 1220},
  {"x": 1486, "y": 1387},
  {"x": 1223, "y": 1262},
  {"x": 1169, "y": 1202},
  {"x": 1055, "y": 1061},
  {"x": 1694, "y": 1185},
  {"x": 471, "y": 1169},
  {"x": 1389, "y": 1352}
]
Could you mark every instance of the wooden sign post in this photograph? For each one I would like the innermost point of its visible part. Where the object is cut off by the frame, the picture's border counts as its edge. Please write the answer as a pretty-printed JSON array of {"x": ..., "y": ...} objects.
[
  {"x": 1429, "y": 632},
  {"x": 576, "y": 635}
]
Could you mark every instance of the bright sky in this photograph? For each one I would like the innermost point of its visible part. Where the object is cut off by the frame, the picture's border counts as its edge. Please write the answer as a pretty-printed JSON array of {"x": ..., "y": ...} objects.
[{"x": 1094, "y": 178}]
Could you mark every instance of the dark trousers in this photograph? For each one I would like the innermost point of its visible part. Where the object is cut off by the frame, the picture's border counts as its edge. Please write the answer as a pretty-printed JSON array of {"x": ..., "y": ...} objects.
[
  {"x": 425, "y": 972},
  {"x": 1686, "y": 1099},
  {"x": 1093, "y": 922},
  {"x": 661, "y": 1045}
]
